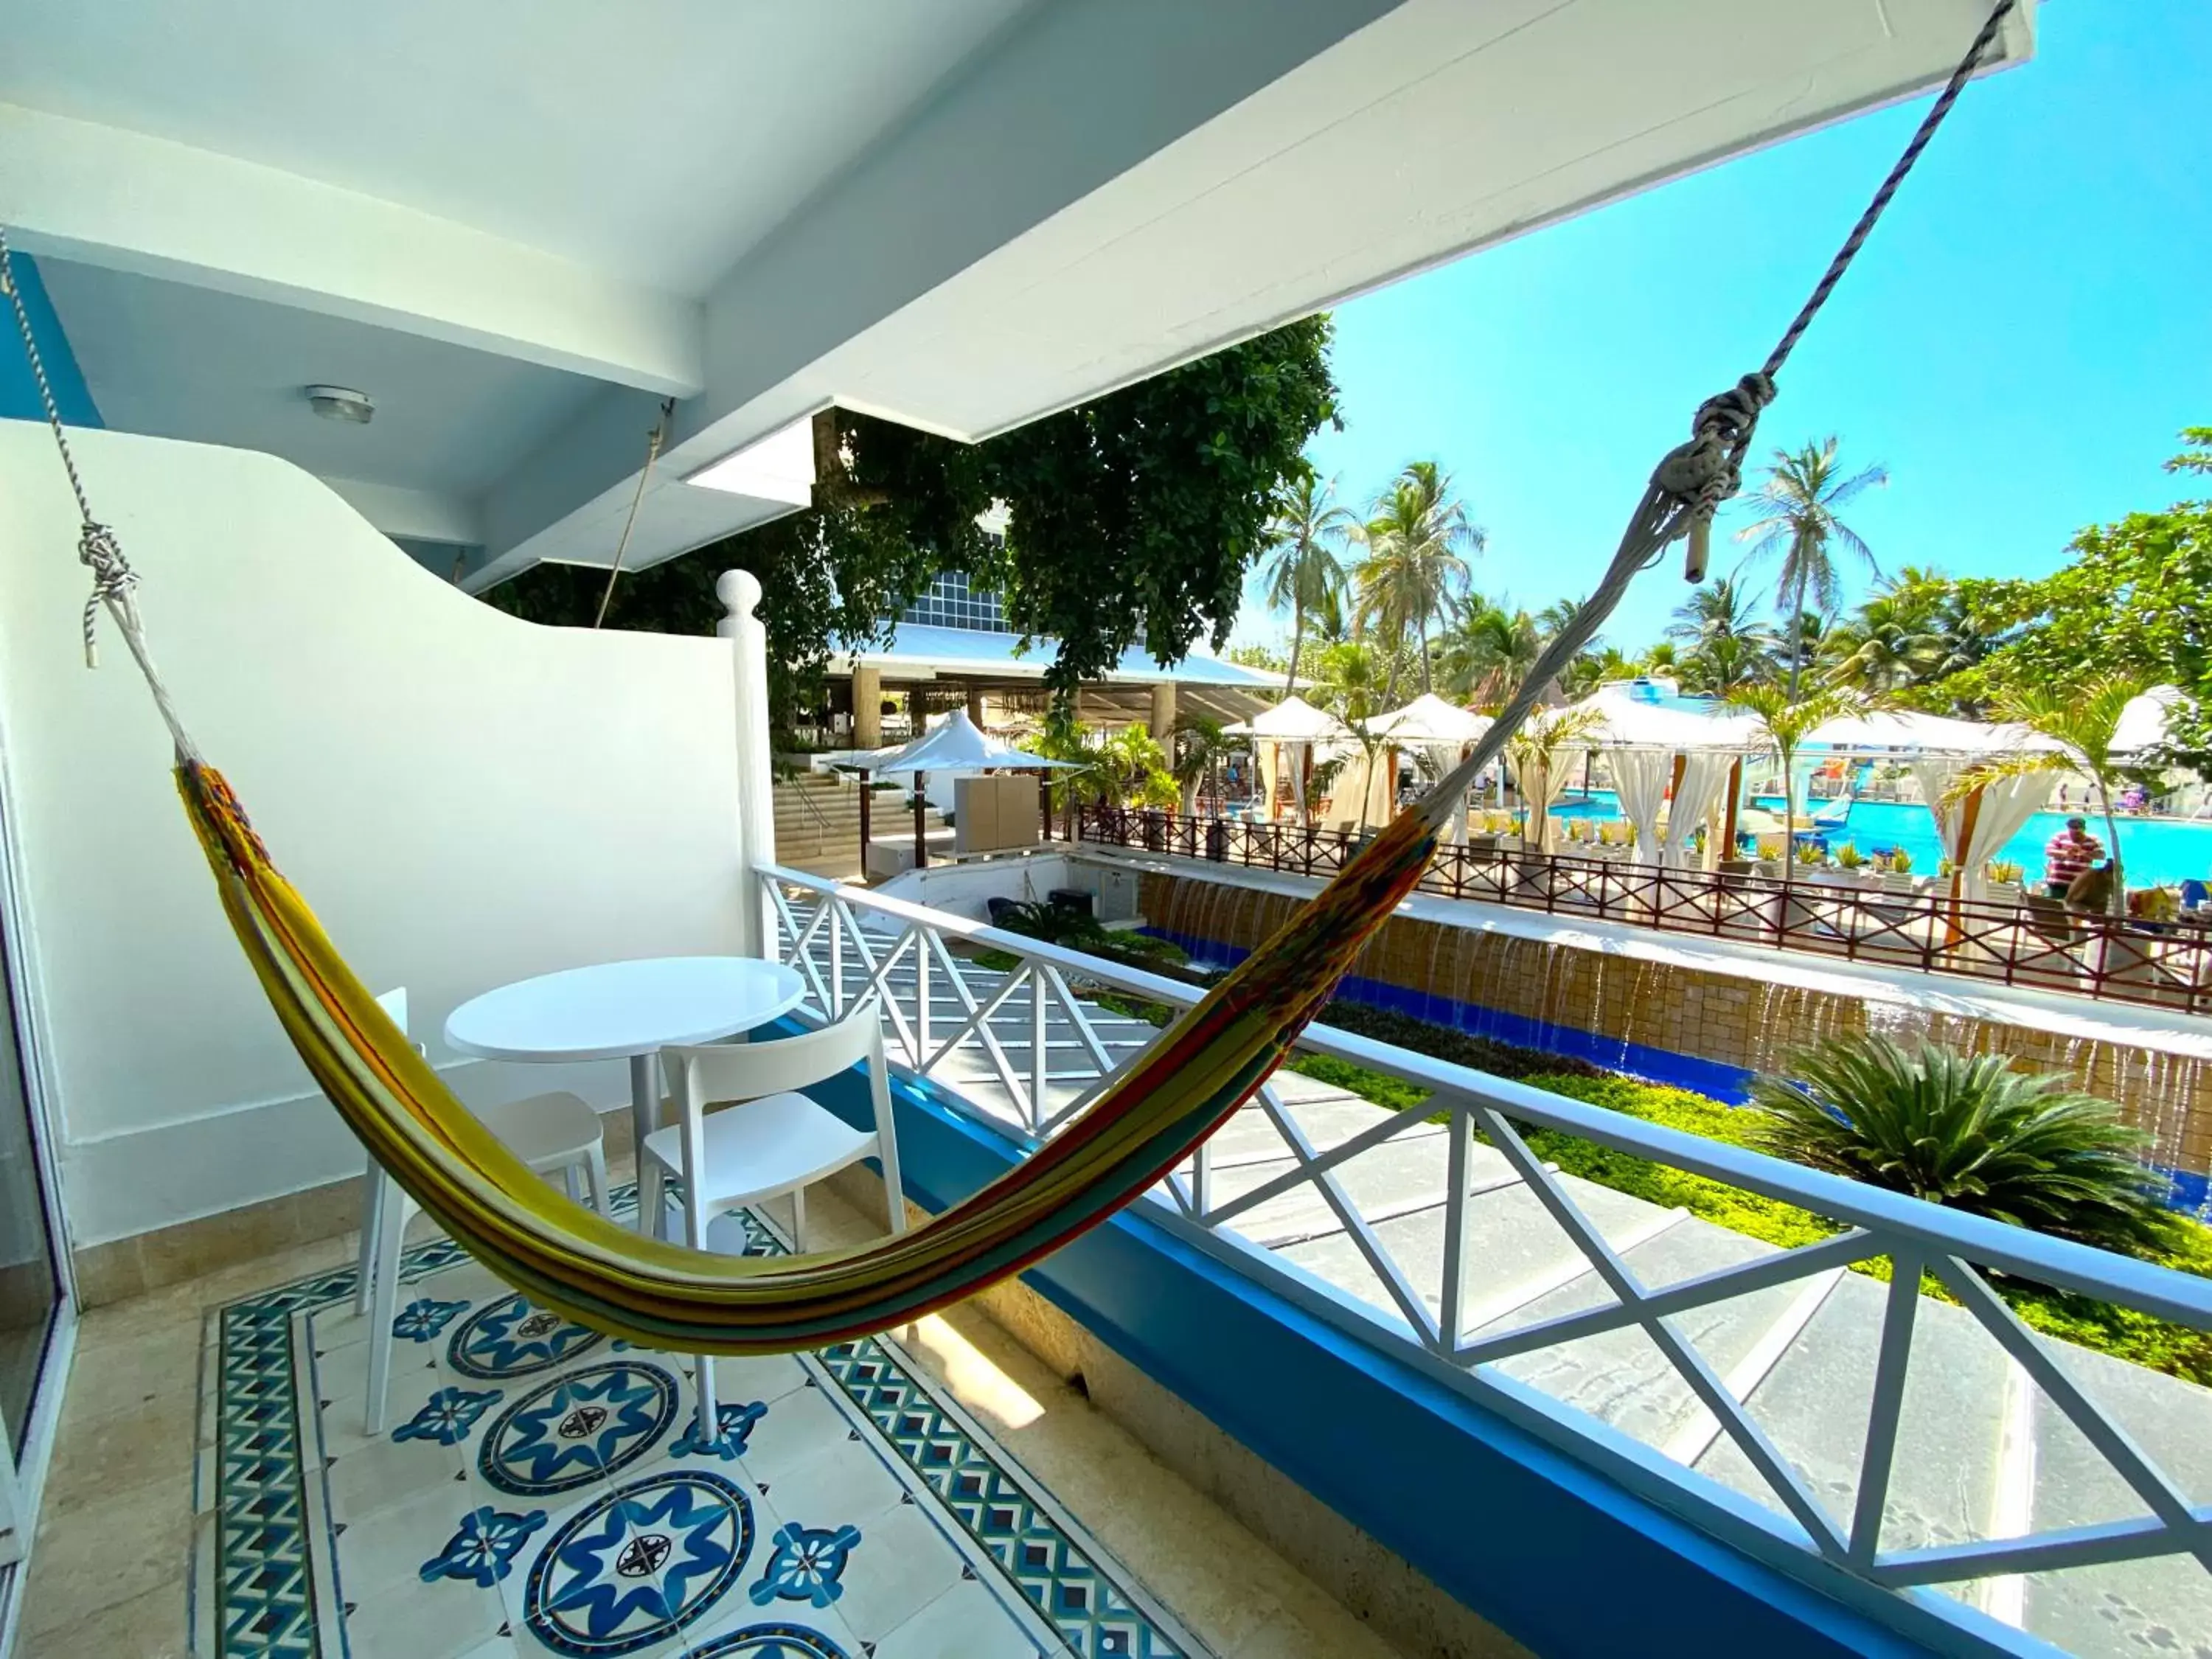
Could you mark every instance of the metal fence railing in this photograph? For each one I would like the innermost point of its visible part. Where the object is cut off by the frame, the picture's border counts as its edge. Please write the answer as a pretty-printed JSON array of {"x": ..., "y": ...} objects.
[
  {"x": 2033, "y": 941},
  {"x": 1912, "y": 1404}
]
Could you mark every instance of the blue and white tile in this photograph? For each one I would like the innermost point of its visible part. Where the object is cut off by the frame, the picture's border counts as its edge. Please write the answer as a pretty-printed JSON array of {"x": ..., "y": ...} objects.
[
  {"x": 907, "y": 1565},
  {"x": 634, "y": 1566},
  {"x": 339, "y": 1546},
  {"x": 965, "y": 1622},
  {"x": 571, "y": 1430}
]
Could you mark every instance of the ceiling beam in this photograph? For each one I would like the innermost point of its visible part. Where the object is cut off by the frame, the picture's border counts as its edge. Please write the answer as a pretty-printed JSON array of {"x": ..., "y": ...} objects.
[
  {"x": 1069, "y": 98},
  {"x": 108, "y": 196}
]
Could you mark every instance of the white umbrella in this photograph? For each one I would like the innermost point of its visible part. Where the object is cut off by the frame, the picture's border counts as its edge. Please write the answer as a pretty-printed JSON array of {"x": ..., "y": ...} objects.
[{"x": 957, "y": 745}]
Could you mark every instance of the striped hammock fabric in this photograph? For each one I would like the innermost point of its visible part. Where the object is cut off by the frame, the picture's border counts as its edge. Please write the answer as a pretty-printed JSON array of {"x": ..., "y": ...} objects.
[{"x": 1149, "y": 1118}]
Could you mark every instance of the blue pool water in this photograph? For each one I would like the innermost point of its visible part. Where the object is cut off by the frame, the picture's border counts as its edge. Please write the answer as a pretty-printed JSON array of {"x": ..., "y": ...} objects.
[{"x": 2153, "y": 850}]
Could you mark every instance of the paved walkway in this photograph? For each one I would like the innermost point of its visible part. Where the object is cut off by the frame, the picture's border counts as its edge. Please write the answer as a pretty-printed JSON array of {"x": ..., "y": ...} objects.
[{"x": 1981, "y": 1452}]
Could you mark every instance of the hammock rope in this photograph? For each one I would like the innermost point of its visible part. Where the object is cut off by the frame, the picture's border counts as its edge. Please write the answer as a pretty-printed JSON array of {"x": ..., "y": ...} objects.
[{"x": 1148, "y": 1119}]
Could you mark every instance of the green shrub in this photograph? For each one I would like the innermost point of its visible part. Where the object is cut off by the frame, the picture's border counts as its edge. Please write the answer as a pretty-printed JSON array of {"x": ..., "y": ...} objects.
[{"x": 1967, "y": 1132}]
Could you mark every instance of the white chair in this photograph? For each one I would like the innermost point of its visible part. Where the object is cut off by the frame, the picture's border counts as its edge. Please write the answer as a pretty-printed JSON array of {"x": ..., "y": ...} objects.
[
  {"x": 770, "y": 1140},
  {"x": 549, "y": 1132}
]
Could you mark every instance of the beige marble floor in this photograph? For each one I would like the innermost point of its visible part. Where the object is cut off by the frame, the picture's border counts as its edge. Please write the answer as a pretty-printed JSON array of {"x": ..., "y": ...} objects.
[{"x": 108, "y": 1571}]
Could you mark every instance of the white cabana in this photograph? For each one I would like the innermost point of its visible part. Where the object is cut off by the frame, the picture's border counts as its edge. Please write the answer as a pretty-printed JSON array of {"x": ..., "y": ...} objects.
[
  {"x": 1440, "y": 732},
  {"x": 2142, "y": 723},
  {"x": 1973, "y": 829},
  {"x": 1296, "y": 728},
  {"x": 1643, "y": 738}
]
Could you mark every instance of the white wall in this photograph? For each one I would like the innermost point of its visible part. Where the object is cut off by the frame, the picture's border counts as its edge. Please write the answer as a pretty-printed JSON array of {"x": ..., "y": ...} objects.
[{"x": 466, "y": 800}]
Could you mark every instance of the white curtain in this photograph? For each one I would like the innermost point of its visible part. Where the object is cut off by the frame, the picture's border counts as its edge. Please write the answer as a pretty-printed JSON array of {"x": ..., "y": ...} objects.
[
  {"x": 1541, "y": 783},
  {"x": 1640, "y": 777},
  {"x": 2005, "y": 805},
  {"x": 1697, "y": 798}
]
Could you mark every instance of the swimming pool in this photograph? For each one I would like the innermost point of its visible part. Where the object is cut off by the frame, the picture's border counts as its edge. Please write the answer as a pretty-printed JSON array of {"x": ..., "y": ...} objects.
[{"x": 2153, "y": 849}]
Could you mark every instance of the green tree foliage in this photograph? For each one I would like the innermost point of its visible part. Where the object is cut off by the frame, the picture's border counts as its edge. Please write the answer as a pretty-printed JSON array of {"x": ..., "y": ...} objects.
[
  {"x": 1131, "y": 520},
  {"x": 2135, "y": 601},
  {"x": 1486, "y": 652},
  {"x": 1968, "y": 1132}
]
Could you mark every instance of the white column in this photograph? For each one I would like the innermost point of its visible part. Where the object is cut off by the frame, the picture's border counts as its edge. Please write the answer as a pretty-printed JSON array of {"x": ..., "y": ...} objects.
[{"x": 739, "y": 591}]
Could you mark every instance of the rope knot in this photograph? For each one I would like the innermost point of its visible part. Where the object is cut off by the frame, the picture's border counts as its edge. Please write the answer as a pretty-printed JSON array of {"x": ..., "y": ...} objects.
[
  {"x": 112, "y": 578},
  {"x": 1704, "y": 472}
]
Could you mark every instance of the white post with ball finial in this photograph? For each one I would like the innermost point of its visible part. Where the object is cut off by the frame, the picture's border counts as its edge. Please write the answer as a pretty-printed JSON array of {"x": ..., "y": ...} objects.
[{"x": 739, "y": 591}]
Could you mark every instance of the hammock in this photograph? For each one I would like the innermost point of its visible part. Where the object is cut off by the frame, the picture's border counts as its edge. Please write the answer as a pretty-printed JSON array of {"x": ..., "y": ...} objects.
[{"x": 1149, "y": 1118}]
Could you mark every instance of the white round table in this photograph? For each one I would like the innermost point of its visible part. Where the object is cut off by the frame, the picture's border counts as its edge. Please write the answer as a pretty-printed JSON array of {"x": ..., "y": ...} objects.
[{"x": 625, "y": 1010}]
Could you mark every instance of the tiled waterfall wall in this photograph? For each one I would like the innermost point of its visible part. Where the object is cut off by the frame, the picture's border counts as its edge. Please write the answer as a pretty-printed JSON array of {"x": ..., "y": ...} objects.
[{"x": 1645, "y": 1017}]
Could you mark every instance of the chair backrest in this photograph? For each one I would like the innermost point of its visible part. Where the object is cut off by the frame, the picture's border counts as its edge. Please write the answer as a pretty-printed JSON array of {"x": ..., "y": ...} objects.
[{"x": 746, "y": 1070}]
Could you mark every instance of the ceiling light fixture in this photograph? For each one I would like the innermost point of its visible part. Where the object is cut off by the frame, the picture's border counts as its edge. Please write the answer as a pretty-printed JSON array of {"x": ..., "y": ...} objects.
[{"x": 342, "y": 403}]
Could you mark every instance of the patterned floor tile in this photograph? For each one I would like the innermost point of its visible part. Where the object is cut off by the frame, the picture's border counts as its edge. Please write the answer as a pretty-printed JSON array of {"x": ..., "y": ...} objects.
[{"x": 539, "y": 1489}]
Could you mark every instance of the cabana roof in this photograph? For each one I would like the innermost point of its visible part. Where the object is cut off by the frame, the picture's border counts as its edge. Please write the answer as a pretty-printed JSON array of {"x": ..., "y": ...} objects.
[
  {"x": 1429, "y": 718},
  {"x": 1292, "y": 720}
]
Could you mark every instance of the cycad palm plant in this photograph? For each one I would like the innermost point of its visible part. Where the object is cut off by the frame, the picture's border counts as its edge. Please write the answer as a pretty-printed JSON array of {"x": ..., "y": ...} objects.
[
  {"x": 1967, "y": 1132},
  {"x": 1418, "y": 539},
  {"x": 1797, "y": 516},
  {"x": 1303, "y": 575}
]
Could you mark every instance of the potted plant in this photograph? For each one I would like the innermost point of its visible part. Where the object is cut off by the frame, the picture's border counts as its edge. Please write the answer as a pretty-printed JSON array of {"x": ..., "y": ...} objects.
[
  {"x": 1851, "y": 864},
  {"x": 1897, "y": 872},
  {"x": 1813, "y": 866},
  {"x": 2004, "y": 879}
]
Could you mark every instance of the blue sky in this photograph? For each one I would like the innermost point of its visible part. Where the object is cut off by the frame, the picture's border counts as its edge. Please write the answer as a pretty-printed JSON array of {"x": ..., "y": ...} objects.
[{"x": 2018, "y": 344}]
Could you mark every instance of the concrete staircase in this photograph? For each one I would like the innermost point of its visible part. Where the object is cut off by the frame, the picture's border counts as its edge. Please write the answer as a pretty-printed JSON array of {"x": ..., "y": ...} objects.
[{"x": 818, "y": 822}]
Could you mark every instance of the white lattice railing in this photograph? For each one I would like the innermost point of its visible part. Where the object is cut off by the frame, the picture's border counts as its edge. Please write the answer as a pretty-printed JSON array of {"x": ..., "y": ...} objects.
[{"x": 1626, "y": 1345}]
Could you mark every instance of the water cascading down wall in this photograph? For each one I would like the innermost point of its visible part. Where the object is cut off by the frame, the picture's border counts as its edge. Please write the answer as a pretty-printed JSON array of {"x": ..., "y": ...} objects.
[{"x": 1664, "y": 1016}]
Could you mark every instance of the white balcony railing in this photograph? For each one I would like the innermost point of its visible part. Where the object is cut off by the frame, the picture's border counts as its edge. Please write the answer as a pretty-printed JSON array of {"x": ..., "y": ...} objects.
[{"x": 1876, "y": 1440}]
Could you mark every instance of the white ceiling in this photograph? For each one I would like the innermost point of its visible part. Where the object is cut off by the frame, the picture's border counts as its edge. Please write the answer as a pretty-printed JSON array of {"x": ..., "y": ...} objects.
[
  {"x": 655, "y": 140},
  {"x": 178, "y": 362}
]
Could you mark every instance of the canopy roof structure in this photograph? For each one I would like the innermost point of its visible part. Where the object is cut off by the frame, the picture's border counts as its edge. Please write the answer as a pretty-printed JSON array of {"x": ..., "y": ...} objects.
[
  {"x": 1905, "y": 733},
  {"x": 1429, "y": 718},
  {"x": 1634, "y": 714},
  {"x": 2143, "y": 722},
  {"x": 958, "y": 744},
  {"x": 1292, "y": 720}
]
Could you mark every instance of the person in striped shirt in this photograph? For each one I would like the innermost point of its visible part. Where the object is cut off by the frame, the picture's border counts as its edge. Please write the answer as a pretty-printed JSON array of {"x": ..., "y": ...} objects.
[{"x": 2068, "y": 854}]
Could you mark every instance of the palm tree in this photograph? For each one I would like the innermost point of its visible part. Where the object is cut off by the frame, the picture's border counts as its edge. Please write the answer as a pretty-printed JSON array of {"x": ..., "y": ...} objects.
[
  {"x": 1722, "y": 611},
  {"x": 1355, "y": 685},
  {"x": 1796, "y": 508},
  {"x": 1538, "y": 752},
  {"x": 1889, "y": 647},
  {"x": 1201, "y": 746},
  {"x": 2084, "y": 720},
  {"x": 1304, "y": 574},
  {"x": 1418, "y": 539},
  {"x": 1788, "y": 720},
  {"x": 1557, "y": 617},
  {"x": 1725, "y": 665},
  {"x": 1486, "y": 652},
  {"x": 1660, "y": 658}
]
